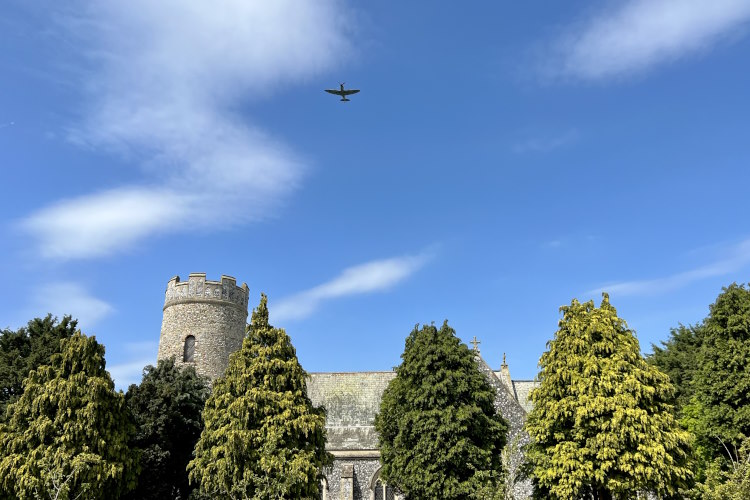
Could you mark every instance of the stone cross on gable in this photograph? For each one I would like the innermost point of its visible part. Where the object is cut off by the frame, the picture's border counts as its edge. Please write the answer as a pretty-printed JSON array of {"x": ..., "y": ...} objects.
[{"x": 476, "y": 343}]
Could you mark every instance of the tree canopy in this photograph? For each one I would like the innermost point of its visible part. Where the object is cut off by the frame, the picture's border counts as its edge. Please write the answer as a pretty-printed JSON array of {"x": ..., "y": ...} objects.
[
  {"x": 262, "y": 438},
  {"x": 721, "y": 406},
  {"x": 26, "y": 349},
  {"x": 440, "y": 435},
  {"x": 602, "y": 425},
  {"x": 166, "y": 408},
  {"x": 679, "y": 358},
  {"x": 68, "y": 433}
]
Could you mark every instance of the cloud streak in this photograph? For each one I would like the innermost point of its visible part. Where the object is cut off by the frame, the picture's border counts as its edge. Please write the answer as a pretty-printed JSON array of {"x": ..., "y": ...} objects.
[
  {"x": 130, "y": 371},
  {"x": 641, "y": 34},
  {"x": 167, "y": 77},
  {"x": 374, "y": 276},
  {"x": 63, "y": 298},
  {"x": 737, "y": 258},
  {"x": 538, "y": 145}
]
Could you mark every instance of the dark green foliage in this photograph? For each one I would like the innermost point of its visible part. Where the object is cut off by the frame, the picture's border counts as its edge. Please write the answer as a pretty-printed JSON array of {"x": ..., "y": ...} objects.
[
  {"x": 440, "y": 436},
  {"x": 721, "y": 406},
  {"x": 68, "y": 433},
  {"x": 679, "y": 358},
  {"x": 602, "y": 425},
  {"x": 167, "y": 408},
  {"x": 262, "y": 438},
  {"x": 26, "y": 349}
]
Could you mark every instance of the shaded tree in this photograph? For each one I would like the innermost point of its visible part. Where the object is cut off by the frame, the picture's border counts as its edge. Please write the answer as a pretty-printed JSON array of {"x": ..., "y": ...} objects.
[
  {"x": 602, "y": 425},
  {"x": 26, "y": 349},
  {"x": 679, "y": 357},
  {"x": 720, "y": 408},
  {"x": 166, "y": 408},
  {"x": 439, "y": 433},
  {"x": 262, "y": 438},
  {"x": 67, "y": 435}
]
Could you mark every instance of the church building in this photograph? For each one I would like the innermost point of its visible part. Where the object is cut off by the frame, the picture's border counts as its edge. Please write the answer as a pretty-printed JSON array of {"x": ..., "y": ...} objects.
[{"x": 204, "y": 322}]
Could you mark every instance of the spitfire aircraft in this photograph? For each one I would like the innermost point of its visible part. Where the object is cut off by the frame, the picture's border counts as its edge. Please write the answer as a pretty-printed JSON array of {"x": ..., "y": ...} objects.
[{"x": 342, "y": 92}]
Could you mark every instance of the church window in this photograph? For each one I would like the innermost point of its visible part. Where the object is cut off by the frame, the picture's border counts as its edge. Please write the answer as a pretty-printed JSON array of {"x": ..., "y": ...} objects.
[
  {"x": 188, "y": 355},
  {"x": 324, "y": 489},
  {"x": 383, "y": 491}
]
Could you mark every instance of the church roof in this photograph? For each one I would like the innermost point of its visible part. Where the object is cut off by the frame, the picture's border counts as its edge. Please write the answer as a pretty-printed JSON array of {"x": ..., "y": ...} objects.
[
  {"x": 522, "y": 388},
  {"x": 352, "y": 400}
]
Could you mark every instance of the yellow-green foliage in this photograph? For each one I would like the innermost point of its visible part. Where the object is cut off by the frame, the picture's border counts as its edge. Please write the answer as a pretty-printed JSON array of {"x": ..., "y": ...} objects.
[
  {"x": 68, "y": 434},
  {"x": 602, "y": 423},
  {"x": 26, "y": 349},
  {"x": 262, "y": 437},
  {"x": 732, "y": 482}
]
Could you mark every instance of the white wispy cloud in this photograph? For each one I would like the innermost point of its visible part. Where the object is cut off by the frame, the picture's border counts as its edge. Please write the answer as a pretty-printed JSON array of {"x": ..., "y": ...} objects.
[
  {"x": 549, "y": 143},
  {"x": 734, "y": 258},
  {"x": 63, "y": 298},
  {"x": 374, "y": 276},
  {"x": 168, "y": 75},
  {"x": 130, "y": 371},
  {"x": 633, "y": 36}
]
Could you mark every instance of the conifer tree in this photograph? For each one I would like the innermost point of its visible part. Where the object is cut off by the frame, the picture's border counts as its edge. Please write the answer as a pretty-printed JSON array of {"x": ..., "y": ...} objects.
[
  {"x": 262, "y": 438},
  {"x": 26, "y": 349},
  {"x": 166, "y": 407},
  {"x": 67, "y": 436},
  {"x": 678, "y": 357},
  {"x": 602, "y": 425},
  {"x": 439, "y": 433},
  {"x": 721, "y": 406}
]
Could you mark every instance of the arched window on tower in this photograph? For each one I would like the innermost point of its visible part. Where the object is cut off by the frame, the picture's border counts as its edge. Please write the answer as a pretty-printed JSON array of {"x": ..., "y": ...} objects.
[{"x": 188, "y": 355}]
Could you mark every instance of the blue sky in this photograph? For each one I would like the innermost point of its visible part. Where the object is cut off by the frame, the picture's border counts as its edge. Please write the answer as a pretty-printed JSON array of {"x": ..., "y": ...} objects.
[{"x": 500, "y": 160}]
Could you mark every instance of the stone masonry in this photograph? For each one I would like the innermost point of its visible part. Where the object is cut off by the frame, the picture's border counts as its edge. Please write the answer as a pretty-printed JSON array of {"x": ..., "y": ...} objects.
[
  {"x": 214, "y": 313},
  {"x": 204, "y": 322}
]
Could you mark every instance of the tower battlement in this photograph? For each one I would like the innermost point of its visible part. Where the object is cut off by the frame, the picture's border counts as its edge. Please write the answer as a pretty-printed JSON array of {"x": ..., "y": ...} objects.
[
  {"x": 198, "y": 289},
  {"x": 203, "y": 323}
]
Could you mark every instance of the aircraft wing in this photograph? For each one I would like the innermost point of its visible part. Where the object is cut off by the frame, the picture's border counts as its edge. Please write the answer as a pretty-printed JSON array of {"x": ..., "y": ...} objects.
[
  {"x": 348, "y": 92},
  {"x": 336, "y": 92}
]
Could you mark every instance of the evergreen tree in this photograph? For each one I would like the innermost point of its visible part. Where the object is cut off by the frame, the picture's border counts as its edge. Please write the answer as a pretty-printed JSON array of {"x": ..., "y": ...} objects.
[
  {"x": 67, "y": 436},
  {"x": 167, "y": 408},
  {"x": 679, "y": 358},
  {"x": 721, "y": 406},
  {"x": 440, "y": 436},
  {"x": 602, "y": 426},
  {"x": 262, "y": 438},
  {"x": 26, "y": 349}
]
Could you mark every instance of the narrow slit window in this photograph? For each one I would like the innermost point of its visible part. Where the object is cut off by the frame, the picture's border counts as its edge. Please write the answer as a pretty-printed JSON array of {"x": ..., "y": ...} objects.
[{"x": 188, "y": 356}]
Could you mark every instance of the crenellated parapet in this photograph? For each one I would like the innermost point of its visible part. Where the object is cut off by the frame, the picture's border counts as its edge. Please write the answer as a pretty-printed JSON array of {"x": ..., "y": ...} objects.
[
  {"x": 198, "y": 288},
  {"x": 203, "y": 323}
]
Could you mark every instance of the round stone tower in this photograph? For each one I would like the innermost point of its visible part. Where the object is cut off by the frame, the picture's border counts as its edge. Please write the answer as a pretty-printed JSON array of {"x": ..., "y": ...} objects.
[{"x": 204, "y": 322}]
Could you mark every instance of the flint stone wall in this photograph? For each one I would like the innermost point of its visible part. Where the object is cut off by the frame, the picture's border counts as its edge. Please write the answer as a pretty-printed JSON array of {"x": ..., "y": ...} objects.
[
  {"x": 512, "y": 411},
  {"x": 364, "y": 473},
  {"x": 214, "y": 312}
]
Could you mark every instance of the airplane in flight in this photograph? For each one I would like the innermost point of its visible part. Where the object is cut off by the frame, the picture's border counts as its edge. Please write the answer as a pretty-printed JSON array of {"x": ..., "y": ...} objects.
[{"x": 343, "y": 92}]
